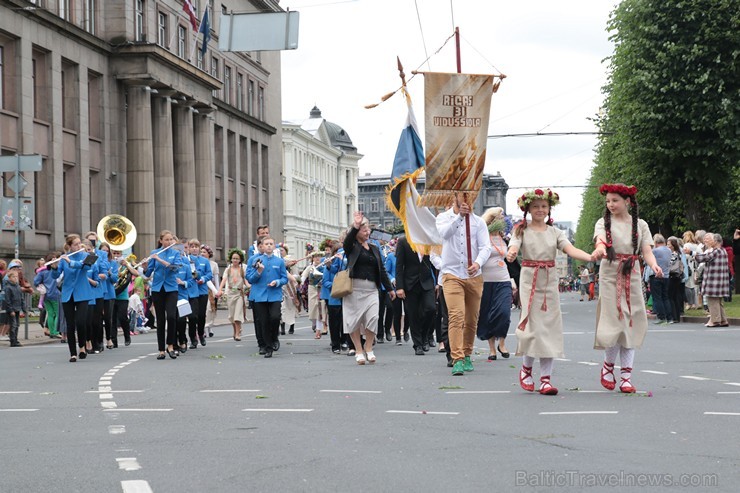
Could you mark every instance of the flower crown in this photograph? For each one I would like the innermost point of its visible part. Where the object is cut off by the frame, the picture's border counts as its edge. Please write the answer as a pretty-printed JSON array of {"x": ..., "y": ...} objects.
[
  {"x": 503, "y": 224},
  {"x": 236, "y": 250},
  {"x": 537, "y": 194},
  {"x": 619, "y": 188},
  {"x": 309, "y": 248}
]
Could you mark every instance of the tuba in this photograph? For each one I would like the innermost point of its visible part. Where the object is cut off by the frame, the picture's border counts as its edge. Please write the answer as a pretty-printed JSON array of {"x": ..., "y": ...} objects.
[
  {"x": 124, "y": 275},
  {"x": 118, "y": 231}
]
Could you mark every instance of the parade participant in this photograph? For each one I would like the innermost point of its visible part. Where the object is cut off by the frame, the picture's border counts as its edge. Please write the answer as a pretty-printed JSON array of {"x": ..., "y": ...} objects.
[
  {"x": 540, "y": 330},
  {"x": 495, "y": 305},
  {"x": 52, "y": 295},
  {"x": 415, "y": 284},
  {"x": 120, "y": 304},
  {"x": 385, "y": 315},
  {"x": 235, "y": 286},
  {"x": 76, "y": 293},
  {"x": 313, "y": 273},
  {"x": 164, "y": 262},
  {"x": 620, "y": 237},
  {"x": 291, "y": 305},
  {"x": 187, "y": 290},
  {"x": 360, "y": 307},
  {"x": 266, "y": 273},
  {"x": 461, "y": 278},
  {"x": 334, "y": 307},
  {"x": 201, "y": 272},
  {"x": 212, "y": 310},
  {"x": 109, "y": 296},
  {"x": 13, "y": 304}
]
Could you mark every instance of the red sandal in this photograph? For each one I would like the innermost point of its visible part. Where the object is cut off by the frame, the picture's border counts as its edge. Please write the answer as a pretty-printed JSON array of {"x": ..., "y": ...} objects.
[
  {"x": 525, "y": 378},
  {"x": 626, "y": 386},
  {"x": 608, "y": 369},
  {"x": 546, "y": 388}
]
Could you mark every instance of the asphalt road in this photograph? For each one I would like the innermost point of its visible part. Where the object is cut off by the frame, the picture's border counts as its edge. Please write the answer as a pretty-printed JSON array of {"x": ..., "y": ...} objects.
[{"x": 222, "y": 418}]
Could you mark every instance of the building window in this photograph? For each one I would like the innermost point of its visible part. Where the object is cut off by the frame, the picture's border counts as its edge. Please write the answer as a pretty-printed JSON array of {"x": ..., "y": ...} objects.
[
  {"x": 360, "y": 205},
  {"x": 250, "y": 98},
  {"x": 89, "y": 25},
  {"x": 227, "y": 84},
  {"x": 239, "y": 89},
  {"x": 214, "y": 72},
  {"x": 34, "y": 82},
  {"x": 162, "y": 30},
  {"x": 199, "y": 58},
  {"x": 373, "y": 205},
  {"x": 261, "y": 103},
  {"x": 139, "y": 20},
  {"x": 64, "y": 10},
  {"x": 2, "y": 78},
  {"x": 181, "y": 35}
]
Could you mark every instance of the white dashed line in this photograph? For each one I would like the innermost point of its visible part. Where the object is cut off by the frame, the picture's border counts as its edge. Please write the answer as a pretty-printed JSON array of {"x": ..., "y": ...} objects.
[
  {"x": 17, "y": 410},
  {"x": 352, "y": 391},
  {"x": 278, "y": 410},
  {"x": 137, "y": 486},
  {"x": 654, "y": 372},
  {"x": 721, "y": 414},
  {"x": 735, "y": 393},
  {"x": 554, "y": 413},
  {"x": 108, "y": 390},
  {"x": 106, "y": 396},
  {"x": 230, "y": 390},
  {"x": 692, "y": 377},
  {"x": 589, "y": 363},
  {"x": 423, "y": 412},
  {"x": 108, "y": 405},
  {"x": 128, "y": 463},
  {"x": 478, "y": 392},
  {"x": 16, "y": 392},
  {"x": 733, "y": 383},
  {"x": 116, "y": 429},
  {"x": 139, "y": 410}
]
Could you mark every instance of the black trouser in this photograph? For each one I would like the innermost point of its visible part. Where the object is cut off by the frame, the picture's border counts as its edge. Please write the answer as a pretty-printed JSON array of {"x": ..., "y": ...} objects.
[
  {"x": 187, "y": 320},
  {"x": 75, "y": 315},
  {"x": 335, "y": 326},
  {"x": 193, "y": 323},
  {"x": 107, "y": 318},
  {"x": 95, "y": 323},
  {"x": 398, "y": 305},
  {"x": 442, "y": 322},
  {"x": 267, "y": 321},
  {"x": 676, "y": 297},
  {"x": 120, "y": 319},
  {"x": 165, "y": 307},
  {"x": 14, "y": 322},
  {"x": 201, "y": 314},
  {"x": 385, "y": 313},
  {"x": 257, "y": 332},
  {"x": 420, "y": 311}
]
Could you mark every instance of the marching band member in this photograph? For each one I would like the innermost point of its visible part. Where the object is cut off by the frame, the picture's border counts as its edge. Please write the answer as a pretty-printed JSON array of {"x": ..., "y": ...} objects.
[
  {"x": 162, "y": 267},
  {"x": 201, "y": 273},
  {"x": 266, "y": 273}
]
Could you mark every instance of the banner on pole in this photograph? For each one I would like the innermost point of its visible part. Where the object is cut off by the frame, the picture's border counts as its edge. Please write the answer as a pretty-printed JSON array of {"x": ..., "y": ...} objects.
[{"x": 457, "y": 107}]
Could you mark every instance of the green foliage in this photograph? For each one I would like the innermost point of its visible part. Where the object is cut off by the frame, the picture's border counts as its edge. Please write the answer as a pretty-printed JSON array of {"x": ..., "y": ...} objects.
[{"x": 672, "y": 111}]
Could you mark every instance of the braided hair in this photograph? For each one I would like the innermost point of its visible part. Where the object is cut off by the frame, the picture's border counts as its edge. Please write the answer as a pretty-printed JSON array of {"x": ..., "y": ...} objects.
[
  {"x": 610, "y": 253},
  {"x": 521, "y": 226}
]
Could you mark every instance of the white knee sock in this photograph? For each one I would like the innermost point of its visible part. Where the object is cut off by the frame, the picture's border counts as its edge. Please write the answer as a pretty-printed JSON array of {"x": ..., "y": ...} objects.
[
  {"x": 610, "y": 354},
  {"x": 546, "y": 367},
  {"x": 528, "y": 361}
]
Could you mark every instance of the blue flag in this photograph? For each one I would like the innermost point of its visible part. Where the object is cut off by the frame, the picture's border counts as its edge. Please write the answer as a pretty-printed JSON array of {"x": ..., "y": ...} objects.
[{"x": 205, "y": 28}]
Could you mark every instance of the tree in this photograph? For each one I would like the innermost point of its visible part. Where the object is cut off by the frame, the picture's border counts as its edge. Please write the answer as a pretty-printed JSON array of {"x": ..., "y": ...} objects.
[{"x": 671, "y": 114}]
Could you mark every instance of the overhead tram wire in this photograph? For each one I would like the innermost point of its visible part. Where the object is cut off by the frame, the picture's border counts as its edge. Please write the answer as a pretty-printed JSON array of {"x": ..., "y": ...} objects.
[
  {"x": 421, "y": 31},
  {"x": 546, "y": 134}
]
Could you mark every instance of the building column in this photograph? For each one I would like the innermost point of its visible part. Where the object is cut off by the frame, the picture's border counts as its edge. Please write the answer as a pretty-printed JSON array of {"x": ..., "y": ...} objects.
[
  {"x": 204, "y": 180},
  {"x": 185, "y": 193},
  {"x": 164, "y": 175},
  {"x": 140, "y": 169}
]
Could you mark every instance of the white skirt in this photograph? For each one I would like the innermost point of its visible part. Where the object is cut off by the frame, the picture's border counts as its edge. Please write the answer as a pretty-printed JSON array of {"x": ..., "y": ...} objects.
[{"x": 360, "y": 308}]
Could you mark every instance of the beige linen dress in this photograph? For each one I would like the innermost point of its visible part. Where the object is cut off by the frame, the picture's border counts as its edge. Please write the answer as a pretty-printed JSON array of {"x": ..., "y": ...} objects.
[
  {"x": 610, "y": 330},
  {"x": 235, "y": 287},
  {"x": 542, "y": 336}
]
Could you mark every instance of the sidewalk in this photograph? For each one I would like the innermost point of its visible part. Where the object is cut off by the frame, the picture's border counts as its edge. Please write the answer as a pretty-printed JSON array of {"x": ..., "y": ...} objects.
[{"x": 36, "y": 333}]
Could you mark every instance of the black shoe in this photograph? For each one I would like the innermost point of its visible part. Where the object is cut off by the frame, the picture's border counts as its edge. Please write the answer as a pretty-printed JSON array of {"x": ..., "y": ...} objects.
[
  {"x": 432, "y": 343},
  {"x": 503, "y": 354},
  {"x": 16, "y": 344},
  {"x": 184, "y": 348},
  {"x": 268, "y": 354},
  {"x": 291, "y": 330},
  {"x": 203, "y": 341},
  {"x": 115, "y": 344},
  {"x": 398, "y": 342},
  {"x": 128, "y": 342},
  {"x": 419, "y": 351},
  {"x": 263, "y": 350},
  {"x": 276, "y": 345},
  {"x": 83, "y": 355},
  {"x": 425, "y": 347},
  {"x": 172, "y": 354},
  {"x": 450, "y": 364},
  {"x": 210, "y": 334},
  {"x": 282, "y": 329},
  {"x": 380, "y": 340},
  {"x": 160, "y": 356},
  {"x": 335, "y": 351},
  {"x": 193, "y": 345},
  {"x": 406, "y": 336},
  {"x": 491, "y": 357},
  {"x": 388, "y": 336}
]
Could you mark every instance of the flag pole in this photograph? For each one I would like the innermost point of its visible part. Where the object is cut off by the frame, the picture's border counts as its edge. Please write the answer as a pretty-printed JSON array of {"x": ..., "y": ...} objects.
[{"x": 465, "y": 194}]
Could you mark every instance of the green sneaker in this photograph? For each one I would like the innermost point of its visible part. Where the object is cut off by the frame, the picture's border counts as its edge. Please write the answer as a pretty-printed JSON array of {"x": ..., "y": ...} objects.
[
  {"x": 467, "y": 364},
  {"x": 458, "y": 368}
]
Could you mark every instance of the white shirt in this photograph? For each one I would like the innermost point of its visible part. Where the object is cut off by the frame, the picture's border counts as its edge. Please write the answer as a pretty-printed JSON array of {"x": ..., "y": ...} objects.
[{"x": 451, "y": 227}]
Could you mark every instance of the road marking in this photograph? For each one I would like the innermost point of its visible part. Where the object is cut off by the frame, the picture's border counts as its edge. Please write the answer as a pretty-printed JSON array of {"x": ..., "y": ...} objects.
[
  {"x": 589, "y": 363},
  {"x": 140, "y": 410},
  {"x": 733, "y": 383},
  {"x": 654, "y": 372},
  {"x": 593, "y": 391},
  {"x": 106, "y": 396},
  {"x": 137, "y": 486},
  {"x": 721, "y": 414},
  {"x": 128, "y": 463},
  {"x": 573, "y": 333},
  {"x": 107, "y": 390},
  {"x": 116, "y": 429},
  {"x": 692, "y": 377},
  {"x": 16, "y": 392},
  {"x": 562, "y": 359},
  {"x": 661, "y": 331},
  {"x": 278, "y": 410},
  {"x": 230, "y": 390},
  {"x": 478, "y": 392},
  {"x": 353, "y": 391},
  {"x": 17, "y": 410},
  {"x": 108, "y": 405},
  {"x": 728, "y": 392},
  {"x": 552, "y": 413},
  {"x": 423, "y": 412}
]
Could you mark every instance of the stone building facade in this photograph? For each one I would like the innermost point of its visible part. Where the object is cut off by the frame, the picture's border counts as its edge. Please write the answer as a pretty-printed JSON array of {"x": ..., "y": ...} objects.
[
  {"x": 320, "y": 170},
  {"x": 129, "y": 118},
  {"x": 372, "y": 191}
]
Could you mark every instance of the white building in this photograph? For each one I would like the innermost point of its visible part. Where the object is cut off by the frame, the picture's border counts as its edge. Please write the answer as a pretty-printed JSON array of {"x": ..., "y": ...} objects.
[{"x": 320, "y": 170}]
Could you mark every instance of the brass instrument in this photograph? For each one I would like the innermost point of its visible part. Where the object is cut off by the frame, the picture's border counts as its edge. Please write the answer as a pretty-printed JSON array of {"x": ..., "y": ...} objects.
[
  {"x": 118, "y": 231},
  {"x": 124, "y": 275}
]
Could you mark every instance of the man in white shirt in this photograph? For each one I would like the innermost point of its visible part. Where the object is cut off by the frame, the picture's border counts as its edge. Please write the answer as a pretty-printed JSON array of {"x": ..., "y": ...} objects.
[{"x": 462, "y": 281}]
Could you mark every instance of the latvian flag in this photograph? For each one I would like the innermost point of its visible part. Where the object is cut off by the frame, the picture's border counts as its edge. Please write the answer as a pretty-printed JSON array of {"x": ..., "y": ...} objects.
[{"x": 187, "y": 6}]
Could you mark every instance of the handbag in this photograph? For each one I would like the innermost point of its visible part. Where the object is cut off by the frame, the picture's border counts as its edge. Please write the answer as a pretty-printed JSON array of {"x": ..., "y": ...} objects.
[{"x": 342, "y": 285}]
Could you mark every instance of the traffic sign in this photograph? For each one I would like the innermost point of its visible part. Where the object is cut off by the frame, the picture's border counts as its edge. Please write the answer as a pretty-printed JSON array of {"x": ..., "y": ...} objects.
[
  {"x": 17, "y": 184},
  {"x": 29, "y": 162}
]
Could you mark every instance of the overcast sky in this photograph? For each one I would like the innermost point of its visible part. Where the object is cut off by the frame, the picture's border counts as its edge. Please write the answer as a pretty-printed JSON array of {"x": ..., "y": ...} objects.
[{"x": 552, "y": 53}]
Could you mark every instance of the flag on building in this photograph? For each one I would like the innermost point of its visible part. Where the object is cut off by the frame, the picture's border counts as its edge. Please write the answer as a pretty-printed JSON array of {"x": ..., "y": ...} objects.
[
  {"x": 205, "y": 28},
  {"x": 419, "y": 223},
  {"x": 187, "y": 6}
]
